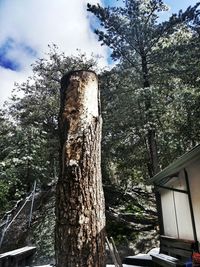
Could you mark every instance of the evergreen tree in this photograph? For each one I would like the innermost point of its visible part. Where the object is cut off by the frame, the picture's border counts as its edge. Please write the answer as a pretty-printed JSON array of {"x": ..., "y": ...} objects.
[
  {"x": 29, "y": 127},
  {"x": 134, "y": 36}
]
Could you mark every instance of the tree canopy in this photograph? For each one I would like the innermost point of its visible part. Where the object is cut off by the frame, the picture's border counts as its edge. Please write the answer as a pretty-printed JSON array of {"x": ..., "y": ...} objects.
[
  {"x": 150, "y": 100},
  {"x": 150, "y": 53}
]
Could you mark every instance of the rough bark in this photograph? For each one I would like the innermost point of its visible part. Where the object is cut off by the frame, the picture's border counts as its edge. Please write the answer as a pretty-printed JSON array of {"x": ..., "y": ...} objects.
[
  {"x": 80, "y": 211},
  {"x": 153, "y": 166}
]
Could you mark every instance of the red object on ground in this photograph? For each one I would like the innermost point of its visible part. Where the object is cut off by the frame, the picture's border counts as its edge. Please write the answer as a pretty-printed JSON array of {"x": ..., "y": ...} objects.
[{"x": 196, "y": 259}]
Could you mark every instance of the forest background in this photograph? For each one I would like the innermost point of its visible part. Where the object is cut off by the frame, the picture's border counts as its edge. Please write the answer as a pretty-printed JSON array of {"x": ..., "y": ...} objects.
[{"x": 150, "y": 101}]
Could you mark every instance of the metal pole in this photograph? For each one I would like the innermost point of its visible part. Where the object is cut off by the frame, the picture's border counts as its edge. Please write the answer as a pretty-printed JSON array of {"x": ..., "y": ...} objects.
[
  {"x": 191, "y": 209},
  {"x": 5, "y": 228},
  {"x": 32, "y": 202},
  {"x": 27, "y": 199}
]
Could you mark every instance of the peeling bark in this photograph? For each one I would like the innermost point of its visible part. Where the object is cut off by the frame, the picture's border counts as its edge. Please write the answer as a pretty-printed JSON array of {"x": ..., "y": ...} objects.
[{"x": 80, "y": 211}]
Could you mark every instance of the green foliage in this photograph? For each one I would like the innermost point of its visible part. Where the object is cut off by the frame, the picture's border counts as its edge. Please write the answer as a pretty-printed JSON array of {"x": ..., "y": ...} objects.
[
  {"x": 136, "y": 38},
  {"x": 175, "y": 112},
  {"x": 130, "y": 207},
  {"x": 153, "y": 91},
  {"x": 27, "y": 159},
  {"x": 132, "y": 31},
  {"x": 29, "y": 132},
  {"x": 43, "y": 233},
  {"x": 142, "y": 94},
  {"x": 121, "y": 232},
  {"x": 4, "y": 193}
]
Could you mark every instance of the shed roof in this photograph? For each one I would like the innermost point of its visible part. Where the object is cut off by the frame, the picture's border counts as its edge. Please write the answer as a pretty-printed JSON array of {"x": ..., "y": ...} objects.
[{"x": 175, "y": 167}]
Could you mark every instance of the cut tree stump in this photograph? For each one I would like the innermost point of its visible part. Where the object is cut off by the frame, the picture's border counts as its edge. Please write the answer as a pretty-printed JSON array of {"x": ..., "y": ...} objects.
[{"x": 80, "y": 208}]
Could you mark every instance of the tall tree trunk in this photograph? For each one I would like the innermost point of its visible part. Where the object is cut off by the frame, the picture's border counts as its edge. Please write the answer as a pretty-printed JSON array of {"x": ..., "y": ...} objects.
[
  {"x": 80, "y": 208},
  {"x": 153, "y": 166}
]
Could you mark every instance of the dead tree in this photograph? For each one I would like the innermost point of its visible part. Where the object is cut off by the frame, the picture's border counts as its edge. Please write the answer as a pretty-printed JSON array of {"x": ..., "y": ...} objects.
[{"x": 80, "y": 211}]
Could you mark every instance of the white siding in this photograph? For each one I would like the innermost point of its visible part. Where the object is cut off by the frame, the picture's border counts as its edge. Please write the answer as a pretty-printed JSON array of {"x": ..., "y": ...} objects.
[
  {"x": 194, "y": 179},
  {"x": 176, "y": 211},
  {"x": 169, "y": 218},
  {"x": 185, "y": 230}
]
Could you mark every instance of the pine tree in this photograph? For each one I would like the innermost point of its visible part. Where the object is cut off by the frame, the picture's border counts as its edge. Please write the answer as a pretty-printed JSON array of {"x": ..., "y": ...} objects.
[{"x": 134, "y": 36}]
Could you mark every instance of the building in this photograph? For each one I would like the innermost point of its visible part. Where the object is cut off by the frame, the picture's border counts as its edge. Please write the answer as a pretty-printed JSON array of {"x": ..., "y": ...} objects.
[{"x": 178, "y": 201}]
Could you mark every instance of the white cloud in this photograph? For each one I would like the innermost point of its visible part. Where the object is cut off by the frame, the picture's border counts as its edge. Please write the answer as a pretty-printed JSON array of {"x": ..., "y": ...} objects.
[
  {"x": 38, "y": 23},
  {"x": 8, "y": 78}
]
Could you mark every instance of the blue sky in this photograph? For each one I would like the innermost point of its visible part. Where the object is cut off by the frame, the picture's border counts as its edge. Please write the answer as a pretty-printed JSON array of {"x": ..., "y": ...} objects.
[
  {"x": 7, "y": 61},
  {"x": 180, "y": 4},
  {"x": 28, "y": 26},
  {"x": 174, "y": 4}
]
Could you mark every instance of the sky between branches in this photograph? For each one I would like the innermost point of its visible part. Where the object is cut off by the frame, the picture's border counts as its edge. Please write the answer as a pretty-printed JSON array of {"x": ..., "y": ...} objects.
[{"x": 28, "y": 26}]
